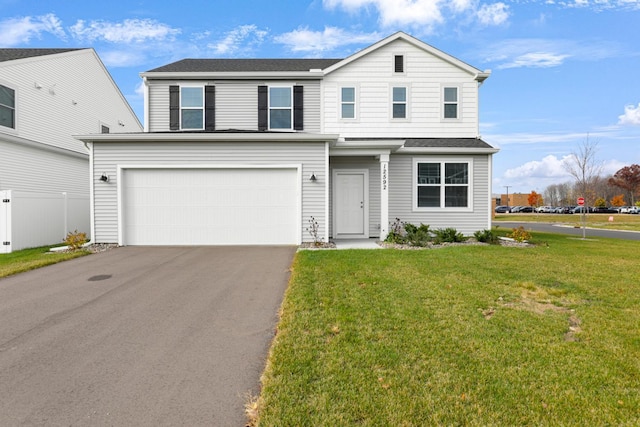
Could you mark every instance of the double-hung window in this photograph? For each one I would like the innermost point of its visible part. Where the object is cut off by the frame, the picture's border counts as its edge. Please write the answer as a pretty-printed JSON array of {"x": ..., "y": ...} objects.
[
  {"x": 348, "y": 103},
  {"x": 450, "y": 96},
  {"x": 7, "y": 107},
  {"x": 192, "y": 107},
  {"x": 399, "y": 102},
  {"x": 442, "y": 184},
  {"x": 280, "y": 107}
]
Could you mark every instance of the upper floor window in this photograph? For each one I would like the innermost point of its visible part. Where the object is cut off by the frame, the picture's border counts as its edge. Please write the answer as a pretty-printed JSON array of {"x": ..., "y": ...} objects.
[
  {"x": 450, "y": 102},
  {"x": 192, "y": 107},
  {"x": 280, "y": 107},
  {"x": 442, "y": 184},
  {"x": 104, "y": 129},
  {"x": 399, "y": 102},
  {"x": 7, "y": 107},
  {"x": 398, "y": 63},
  {"x": 348, "y": 103}
]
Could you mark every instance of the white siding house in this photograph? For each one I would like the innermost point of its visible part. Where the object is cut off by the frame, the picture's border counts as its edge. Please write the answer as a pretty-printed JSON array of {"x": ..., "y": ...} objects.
[
  {"x": 255, "y": 151},
  {"x": 46, "y": 97}
]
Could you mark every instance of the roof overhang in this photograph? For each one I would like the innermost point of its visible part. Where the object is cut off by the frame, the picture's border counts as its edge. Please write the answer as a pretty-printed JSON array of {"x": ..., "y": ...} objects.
[
  {"x": 446, "y": 150},
  {"x": 203, "y": 137},
  {"x": 243, "y": 75}
]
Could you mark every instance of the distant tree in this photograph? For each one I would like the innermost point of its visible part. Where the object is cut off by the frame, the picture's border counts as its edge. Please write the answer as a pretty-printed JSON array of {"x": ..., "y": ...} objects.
[
  {"x": 627, "y": 178},
  {"x": 585, "y": 167},
  {"x": 618, "y": 200},
  {"x": 535, "y": 199},
  {"x": 600, "y": 203}
]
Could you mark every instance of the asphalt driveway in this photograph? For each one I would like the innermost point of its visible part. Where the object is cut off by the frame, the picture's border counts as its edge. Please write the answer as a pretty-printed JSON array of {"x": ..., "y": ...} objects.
[{"x": 140, "y": 336}]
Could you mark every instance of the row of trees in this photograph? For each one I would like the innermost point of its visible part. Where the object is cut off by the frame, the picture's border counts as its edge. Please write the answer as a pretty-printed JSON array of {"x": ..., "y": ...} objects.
[{"x": 619, "y": 189}]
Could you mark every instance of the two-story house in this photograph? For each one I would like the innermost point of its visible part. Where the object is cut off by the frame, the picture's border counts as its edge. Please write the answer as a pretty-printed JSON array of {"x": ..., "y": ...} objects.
[
  {"x": 46, "y": 97},
  {"x": 251, "y": 151}
]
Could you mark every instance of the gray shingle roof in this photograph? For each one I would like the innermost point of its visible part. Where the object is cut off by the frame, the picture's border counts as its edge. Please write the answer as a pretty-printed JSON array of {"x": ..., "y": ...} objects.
[
  {"x": 240, "y": 65},
  {"x": 447, "y": 142},
  {"x": 11, "y": 54},
  {"x": 434, "y": 142}
]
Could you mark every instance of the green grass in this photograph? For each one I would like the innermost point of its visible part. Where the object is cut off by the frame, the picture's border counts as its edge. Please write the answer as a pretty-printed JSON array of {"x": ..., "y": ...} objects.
[
  {"x": 620, "y": 221},
  {"x": 29, "y": 259},
  {"x": 474, "y": 335}
]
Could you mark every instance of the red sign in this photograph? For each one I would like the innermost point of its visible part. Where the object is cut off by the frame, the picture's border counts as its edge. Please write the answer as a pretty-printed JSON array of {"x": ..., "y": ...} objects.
[{"x": 581, "y": 201}]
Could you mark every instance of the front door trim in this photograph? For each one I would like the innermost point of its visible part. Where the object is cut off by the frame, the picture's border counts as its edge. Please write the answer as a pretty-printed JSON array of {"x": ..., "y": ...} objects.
[{"x": 365, "y": 199}]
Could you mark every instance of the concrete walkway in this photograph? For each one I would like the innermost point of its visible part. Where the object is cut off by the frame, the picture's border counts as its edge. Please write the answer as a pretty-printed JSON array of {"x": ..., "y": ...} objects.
[{"x": 357, "y": 244}]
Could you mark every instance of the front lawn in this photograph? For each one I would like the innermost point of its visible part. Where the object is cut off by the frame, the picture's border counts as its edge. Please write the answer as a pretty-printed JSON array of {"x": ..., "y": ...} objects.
[
  {"x": 29, "y": 259},
  {"x": 473, "y": 335}
]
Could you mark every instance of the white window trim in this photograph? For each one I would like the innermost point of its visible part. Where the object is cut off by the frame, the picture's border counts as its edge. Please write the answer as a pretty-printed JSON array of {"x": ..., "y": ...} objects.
[
  {"x": 407, "y": 103},
  {"x": 458, "y": 102},
  {"x": 201, "y": 86},
  {"x": 442, "y": 161},
  {"x": 14, "y": 129},
  {"x": 404, "y": 64},
  {"x": 356, "y": 99},
  {"x": 269, "y": 108}
]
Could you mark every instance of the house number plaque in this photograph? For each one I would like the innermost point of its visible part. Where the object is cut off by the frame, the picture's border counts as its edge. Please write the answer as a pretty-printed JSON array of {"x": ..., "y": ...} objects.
[{"x": 384, "y": 176}]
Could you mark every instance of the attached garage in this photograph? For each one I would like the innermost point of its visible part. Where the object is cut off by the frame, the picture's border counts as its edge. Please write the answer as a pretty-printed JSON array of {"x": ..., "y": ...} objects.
[{"x": 210, "y": 206}]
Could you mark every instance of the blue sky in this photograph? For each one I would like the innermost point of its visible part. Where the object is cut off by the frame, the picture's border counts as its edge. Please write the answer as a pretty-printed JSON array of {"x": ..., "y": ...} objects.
[{"x": 562, "y": 71}]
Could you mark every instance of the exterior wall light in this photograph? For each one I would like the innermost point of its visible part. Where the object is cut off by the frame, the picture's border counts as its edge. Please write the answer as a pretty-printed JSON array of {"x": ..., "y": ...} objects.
[
  {"x": 313, "y": 178},
  {"x": 104, "y": 177}
]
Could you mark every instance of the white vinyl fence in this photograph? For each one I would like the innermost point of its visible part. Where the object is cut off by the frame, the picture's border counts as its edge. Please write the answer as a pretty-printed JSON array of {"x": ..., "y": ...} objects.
[{"x": 29, "y": 219}]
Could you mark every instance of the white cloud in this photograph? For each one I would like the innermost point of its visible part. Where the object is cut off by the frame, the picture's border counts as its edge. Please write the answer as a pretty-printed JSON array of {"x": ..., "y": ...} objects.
[
  {"x": 535, "y": 60},
  {"x": 424, "y": 15},
  {"x": 240, "y": 38},
  {"x": 17, "y": 31},
  {"x": 493, "y": 14},
  {"x": 631, "y": 116},
  {"x": 305, "y": 40},
  {"x": 122, "y": 58},
  {"x": 550, "y": 166},
  {"x": 545, "y": 53},
  {"x": 127, "y": 31}
]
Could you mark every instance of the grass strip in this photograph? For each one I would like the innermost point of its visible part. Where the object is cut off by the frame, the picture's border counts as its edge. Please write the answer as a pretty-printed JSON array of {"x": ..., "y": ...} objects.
[{"x": 29, "y": 259}]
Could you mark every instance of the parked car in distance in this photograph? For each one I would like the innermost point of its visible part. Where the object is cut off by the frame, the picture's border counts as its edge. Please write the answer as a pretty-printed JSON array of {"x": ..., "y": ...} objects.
[
  {"x": 503, "y": 209},
  {"x": 604, "y": 210},
  {"x": 515, "y": 209},
  {"x": 624, "y": 209},
  {"x": 544, "y": 209},
  {"x": 634, "y": 210},
  {"x": 568, "y": 209},
  {"x": 578, "y": 209},
  {"x": 525, "y": 209}
]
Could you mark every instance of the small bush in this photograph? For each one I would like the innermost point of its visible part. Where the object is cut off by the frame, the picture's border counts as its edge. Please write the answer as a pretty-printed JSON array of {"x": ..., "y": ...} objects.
[
  {"x": 520, "y": 234},
  {"x": 396, "y": 232},
  {"x": 487, "y": 236},
  {"x": 314, "y": 231},
  {"x": 448, "y": 235},
  {"x": 75, "y": 240},
  {"x": 417, "y": 236}
]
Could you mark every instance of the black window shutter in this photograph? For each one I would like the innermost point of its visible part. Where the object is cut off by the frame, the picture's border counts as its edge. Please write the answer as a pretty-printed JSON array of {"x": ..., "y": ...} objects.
[
  {"x": 298, "y": 104},
  {"x": 174, "y": 107},
  {"x": 210, "y": 108},
  {"x": 263, "y": 108},
  {"x": 399, "y": 64}
]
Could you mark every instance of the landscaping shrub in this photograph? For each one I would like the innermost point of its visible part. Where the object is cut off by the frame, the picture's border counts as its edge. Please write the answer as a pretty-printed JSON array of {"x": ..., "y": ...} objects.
[
  {"x": 487, "y": 236},
  {"x": 75, "y": 240},
  {"x": 520, "y": 234},
  {"x": 448, "y": 235},
  {"x": 417, "y": 236},
  {"x": 396, "y": 232}
]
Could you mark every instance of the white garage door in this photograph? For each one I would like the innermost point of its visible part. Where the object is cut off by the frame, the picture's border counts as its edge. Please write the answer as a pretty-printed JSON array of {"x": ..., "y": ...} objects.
[{"x": 210, "y": 206}]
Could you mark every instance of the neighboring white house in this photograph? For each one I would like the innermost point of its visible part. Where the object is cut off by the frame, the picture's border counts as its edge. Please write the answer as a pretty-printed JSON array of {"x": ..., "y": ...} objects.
[
  {"x": 46, "y": 97},
  {"x": 251, "y": 151}
]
